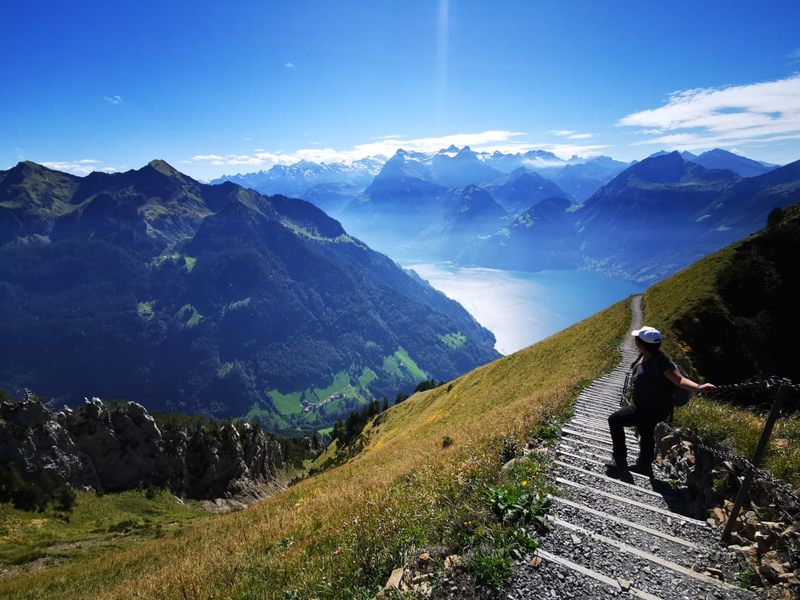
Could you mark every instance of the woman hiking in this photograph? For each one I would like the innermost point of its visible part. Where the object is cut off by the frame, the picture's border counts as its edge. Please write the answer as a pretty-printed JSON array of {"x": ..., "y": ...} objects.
[{"x": 653, "y": 375}]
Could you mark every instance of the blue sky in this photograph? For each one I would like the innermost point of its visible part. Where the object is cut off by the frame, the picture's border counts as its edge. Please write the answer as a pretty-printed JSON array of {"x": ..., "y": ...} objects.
[{"x": 225, "y": 87}]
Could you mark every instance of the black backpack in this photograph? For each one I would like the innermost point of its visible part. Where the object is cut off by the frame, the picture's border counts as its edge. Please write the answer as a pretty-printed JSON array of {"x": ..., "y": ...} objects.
[{"x": 678, "y": 397}]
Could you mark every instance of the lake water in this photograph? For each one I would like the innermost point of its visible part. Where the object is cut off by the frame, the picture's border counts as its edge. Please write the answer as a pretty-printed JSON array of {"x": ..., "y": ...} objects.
[{"x": 523, "y": 308}]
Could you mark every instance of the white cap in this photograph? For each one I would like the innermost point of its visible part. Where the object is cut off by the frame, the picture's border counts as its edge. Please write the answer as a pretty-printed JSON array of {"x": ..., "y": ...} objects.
[{"x": 651, "y": 335}]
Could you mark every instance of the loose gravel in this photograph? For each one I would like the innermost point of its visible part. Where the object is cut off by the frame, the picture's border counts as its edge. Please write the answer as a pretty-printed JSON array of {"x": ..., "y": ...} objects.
[
  {"x": 553, "y": 581},
  {"x": 642, "y": 573},
  {"x": 666, "y": 500},
  {"x": 699, "y": 557},
  {"x": 674, "y": 524}
]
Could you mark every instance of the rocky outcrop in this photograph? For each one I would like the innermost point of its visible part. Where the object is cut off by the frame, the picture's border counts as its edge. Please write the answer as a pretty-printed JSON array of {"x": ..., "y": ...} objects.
[
  {"x": 119, "y": 446},
  {"x": 767, "y": 531}
]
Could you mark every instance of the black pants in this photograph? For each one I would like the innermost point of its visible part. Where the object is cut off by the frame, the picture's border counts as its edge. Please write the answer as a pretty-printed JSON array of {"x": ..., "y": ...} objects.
[{"x": 630, "y": 416}]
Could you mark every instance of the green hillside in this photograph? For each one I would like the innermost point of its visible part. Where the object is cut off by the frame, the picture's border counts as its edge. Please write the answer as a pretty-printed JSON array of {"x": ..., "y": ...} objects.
[
  {"x": 210, "y": 300},
  {"x": 732, "y": 317},
  {"x": 339, "y": 533}
]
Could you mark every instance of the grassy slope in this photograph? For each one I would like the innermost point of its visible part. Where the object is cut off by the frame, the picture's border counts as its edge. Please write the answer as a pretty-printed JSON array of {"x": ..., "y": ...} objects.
[
  {"x": 683, "y": 294},
  {"x": 95, "y": 526},
  {"x": 339, "y": 533}
]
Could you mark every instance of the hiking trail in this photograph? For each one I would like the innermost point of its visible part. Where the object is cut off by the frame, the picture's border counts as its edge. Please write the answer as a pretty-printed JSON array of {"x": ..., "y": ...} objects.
[{"x": 620, "y": 537}]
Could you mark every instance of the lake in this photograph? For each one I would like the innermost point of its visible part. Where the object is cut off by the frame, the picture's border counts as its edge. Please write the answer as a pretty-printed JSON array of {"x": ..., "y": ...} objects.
[{"x": 522, "y": 308}]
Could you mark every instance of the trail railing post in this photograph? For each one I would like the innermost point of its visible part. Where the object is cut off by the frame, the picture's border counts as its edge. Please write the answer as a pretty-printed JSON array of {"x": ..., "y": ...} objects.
[{"x": 777, "y": 404}]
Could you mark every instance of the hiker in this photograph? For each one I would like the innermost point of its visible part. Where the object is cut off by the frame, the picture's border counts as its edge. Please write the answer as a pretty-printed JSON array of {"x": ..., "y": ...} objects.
[{"x": 653, "y": 375}]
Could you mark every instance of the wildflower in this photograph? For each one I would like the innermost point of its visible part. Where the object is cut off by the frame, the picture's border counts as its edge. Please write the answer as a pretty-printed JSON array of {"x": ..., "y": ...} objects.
[{"x": 524, "y": 483}]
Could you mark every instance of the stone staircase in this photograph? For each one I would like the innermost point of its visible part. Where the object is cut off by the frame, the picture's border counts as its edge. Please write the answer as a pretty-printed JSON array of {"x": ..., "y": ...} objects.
[{"x": 622, "y": 536}]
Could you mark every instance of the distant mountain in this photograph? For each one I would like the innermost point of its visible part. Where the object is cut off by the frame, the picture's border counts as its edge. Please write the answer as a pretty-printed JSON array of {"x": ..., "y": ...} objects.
[
  {"x": 470, "y": 214},
  {"x": 296, "y": 180},
  {"x": 542, "y": 237},
  {"x": 581, "y": 180},
  {"x": 522, "y": 189},
  {"x": 722, "y": 159},
  {"x": 412, "y": 196},
  {"x": 457, "y": 168},
  {"x": 652, "y": 219},
  {"x": 533, "y": 159},
  {"x": 333, "y": 198},
  {"x": 248, "y": 180},
  {"x": 150, "y": 286}
]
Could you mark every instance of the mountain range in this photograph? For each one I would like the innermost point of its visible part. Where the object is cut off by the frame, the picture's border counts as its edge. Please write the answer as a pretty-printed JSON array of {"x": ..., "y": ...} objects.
[
  {"x": 213, "y": 299},
  {"x": 217, "y": 299},
  {"x": 405, "y": 205},
  {"x": 651, "y": 220}
]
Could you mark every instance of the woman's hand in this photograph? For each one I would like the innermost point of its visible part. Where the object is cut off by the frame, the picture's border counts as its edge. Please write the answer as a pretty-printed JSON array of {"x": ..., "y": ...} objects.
[{"x": 706, "y": 387}]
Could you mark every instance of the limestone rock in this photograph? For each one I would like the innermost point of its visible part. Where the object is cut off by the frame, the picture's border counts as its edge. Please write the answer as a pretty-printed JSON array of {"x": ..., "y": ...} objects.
[{"x": 118, "y": 447}]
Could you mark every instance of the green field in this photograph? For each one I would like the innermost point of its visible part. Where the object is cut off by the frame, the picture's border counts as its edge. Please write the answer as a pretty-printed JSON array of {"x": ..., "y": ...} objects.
[
  {"x": 225, "y": 370},
  {"x": 454, "y": 341},
  {"x": 238, "y": 304},
  {"x": 402, "y": 366},
  {"x": 287, "y": 404},
  {"x": 189, "y": 315},
  {"x": 188, "y": 261},
  {"x": 367, "y": 376},
  {"x": 145, "y": 310},
  {"x": 96, "y": 525}
]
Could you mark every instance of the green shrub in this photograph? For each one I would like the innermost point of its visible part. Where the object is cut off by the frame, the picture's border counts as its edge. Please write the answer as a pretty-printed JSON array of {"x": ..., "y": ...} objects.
[
  {"x": 492, "y": 570},
  {"x": 746, "y": 577},
  {"x": 34, "y": 492}
]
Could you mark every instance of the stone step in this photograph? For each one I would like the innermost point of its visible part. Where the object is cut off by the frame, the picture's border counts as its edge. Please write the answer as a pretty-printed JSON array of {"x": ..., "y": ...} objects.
[
  {"x": 598, "y": 400},
  {"x": 665, "y": 498},
  {"x": 594, "y": 438},
  {"x": 602, "y": 397},
  {"x": 644, "y": 570},
  {"x": 599, "y": 420},
  {"x": 597, "y": 466},
  {"x": 679, "y": 550},
  {"x": 602, "y": 453},
  {"x": 594, "y": 413},
  {"x": 559, "y": 577},
  {"x": 602, "y": 431},
  {"x": 645, "y": 514}
]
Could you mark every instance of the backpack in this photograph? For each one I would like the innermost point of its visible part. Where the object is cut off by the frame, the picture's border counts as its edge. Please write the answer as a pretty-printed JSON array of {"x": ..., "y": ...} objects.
[{"x": 678, "y": 396}]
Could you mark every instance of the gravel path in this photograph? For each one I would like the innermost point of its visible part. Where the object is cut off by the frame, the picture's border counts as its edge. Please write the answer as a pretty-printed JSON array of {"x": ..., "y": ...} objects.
[{"x": 620, "y": 535}]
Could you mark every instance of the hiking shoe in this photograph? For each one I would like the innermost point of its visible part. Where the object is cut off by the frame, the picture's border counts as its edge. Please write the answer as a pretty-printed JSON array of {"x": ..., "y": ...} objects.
[
  {"x": 617, "y": 464},
  {"x": 642, "y": 469}
]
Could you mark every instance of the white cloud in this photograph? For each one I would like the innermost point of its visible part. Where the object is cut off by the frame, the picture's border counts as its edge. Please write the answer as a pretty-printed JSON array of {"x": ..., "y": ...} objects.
[
  {"x": 570, "y": 134},
  {"x": 726, "y": 116},
  {"x": 485, "y": 141},
  {"x": 113, "y": 99},
  {"x": 289, "y": 65},
  {"x": 794, "y": 56},
  {"x": 79, "y": 167}
]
